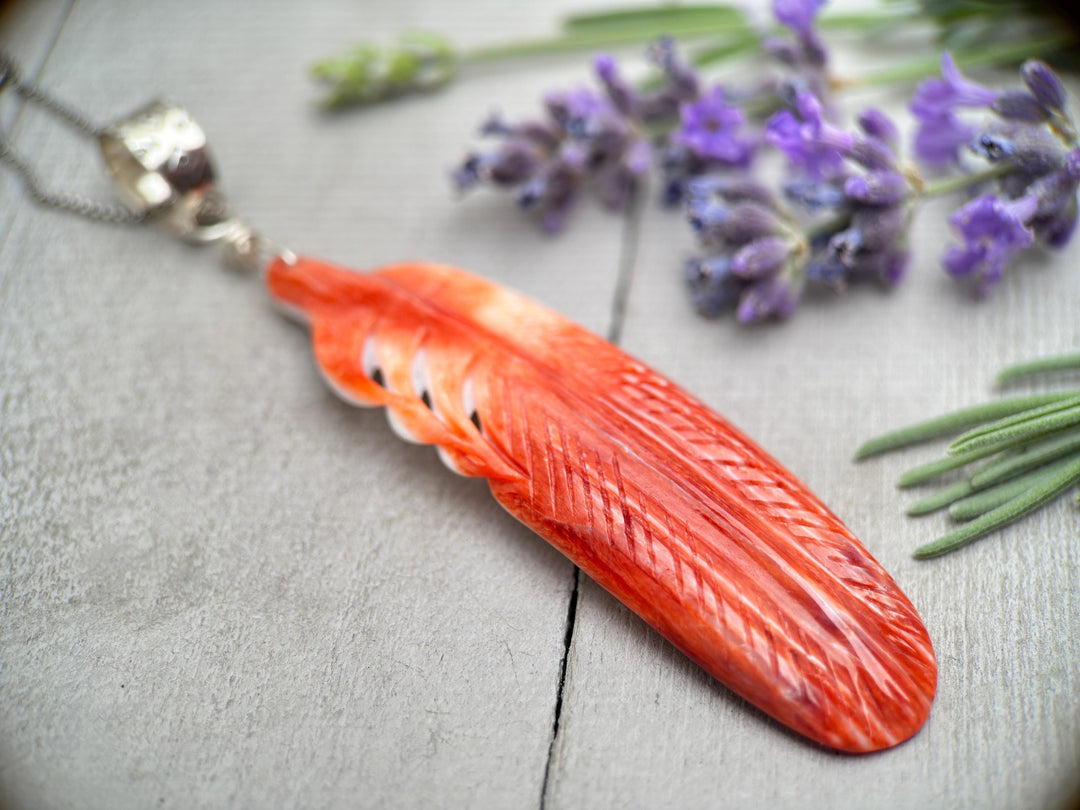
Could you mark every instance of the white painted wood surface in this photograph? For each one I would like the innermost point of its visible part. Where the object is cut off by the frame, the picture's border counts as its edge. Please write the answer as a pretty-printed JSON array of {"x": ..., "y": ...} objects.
[{"x": 221, "y": 587}]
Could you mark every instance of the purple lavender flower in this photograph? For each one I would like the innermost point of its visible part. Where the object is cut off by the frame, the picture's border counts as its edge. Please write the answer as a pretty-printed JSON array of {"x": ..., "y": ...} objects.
[
  {"x": 1055, "y": 217},
  {"x": 810, "y": 144},
  {"x": 680, "y": 80},
  {"x": 874, "y": 244},
  {"x": 747, "y": 248},
  {"x": 994, "y": 232},
  {"x": 622, "y": 95},
  {"x": 1016, "y": 105},
  {"x": 713, "y": 288},
  {"x": 872, "y": 154},
  {"x": 1031, "y": 143},
  {"x": 553, "y": 191},
  {"x": 805, "y": 53},
  {"x": 761, "y": 257},
  {"x": 710, "y": 130},
  {"x": 514, "y": 163},
  {"x": 852, "y": 179},
  {"x": 814, "y": 195},
  {"x": 588, "y": 138},
  {"x": 574, "y": 110},
  {"x": 1043, "y": 84},
  {"x": 798, "y": 15},
  {"x": 732, "y": 226},
  {"x": 774, "y": 296},
  {"x": 941, "y": 132},
  {"x": 938, "y": 140},
  {"x": 877, "y": 125},
  {"x": 878, "y": 188},
  {"x": 935, "y": 96}
]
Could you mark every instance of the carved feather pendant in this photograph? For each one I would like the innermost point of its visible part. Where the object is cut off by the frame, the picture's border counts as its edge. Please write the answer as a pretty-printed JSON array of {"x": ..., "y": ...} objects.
[{"x": 657, "y": 498}]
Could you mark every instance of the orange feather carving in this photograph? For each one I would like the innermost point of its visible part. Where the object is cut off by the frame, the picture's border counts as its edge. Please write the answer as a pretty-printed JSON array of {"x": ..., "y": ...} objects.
[{"x": 654, "y": 496}]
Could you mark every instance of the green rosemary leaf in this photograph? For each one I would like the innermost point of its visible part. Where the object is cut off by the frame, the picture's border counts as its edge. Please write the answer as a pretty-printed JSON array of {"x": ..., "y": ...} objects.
[
  {"x": 1065, "y": 362},
  {"x": 953, "y": 423},
  {"x": 1021, "y": 431},
  {"x": 1067, "y": 400},
  {"x": 1027, "y": 457},
  {"x": 984, "y": 500},
  {"x": 924, "y": 472},
  {"x": 1006, "y": 513},
  {"x": 939, "y": 500}
]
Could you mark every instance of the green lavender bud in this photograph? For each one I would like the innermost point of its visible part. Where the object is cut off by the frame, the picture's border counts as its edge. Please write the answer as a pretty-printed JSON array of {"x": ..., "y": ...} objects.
[{"x": 370, "y": 73}]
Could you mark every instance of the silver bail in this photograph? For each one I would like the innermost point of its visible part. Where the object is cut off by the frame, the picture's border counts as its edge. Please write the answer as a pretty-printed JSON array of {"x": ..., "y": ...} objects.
[{"x": 160, "y": 162}]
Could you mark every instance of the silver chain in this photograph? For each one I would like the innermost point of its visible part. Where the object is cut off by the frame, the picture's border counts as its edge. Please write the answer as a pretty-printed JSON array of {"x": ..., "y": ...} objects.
[{"x": 63, "y": 201}]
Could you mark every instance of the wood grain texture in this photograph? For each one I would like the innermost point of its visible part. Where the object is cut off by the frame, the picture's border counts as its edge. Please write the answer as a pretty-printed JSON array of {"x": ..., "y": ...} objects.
[{"x": 220, "y": 586}]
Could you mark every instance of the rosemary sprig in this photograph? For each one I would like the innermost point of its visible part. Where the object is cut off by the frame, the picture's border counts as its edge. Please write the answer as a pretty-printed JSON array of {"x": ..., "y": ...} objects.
[{"x": 1035, "y": 442}]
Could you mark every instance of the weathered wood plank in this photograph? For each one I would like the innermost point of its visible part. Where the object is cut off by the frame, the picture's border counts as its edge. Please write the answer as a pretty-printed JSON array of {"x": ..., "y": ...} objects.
[{"x": 220, "y": 585}]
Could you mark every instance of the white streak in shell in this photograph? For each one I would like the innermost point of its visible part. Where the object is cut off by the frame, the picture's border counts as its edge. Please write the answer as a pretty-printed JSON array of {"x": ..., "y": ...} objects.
[
  {"x": 444, "y": 457},
  {"x": 399, "y": 427}
]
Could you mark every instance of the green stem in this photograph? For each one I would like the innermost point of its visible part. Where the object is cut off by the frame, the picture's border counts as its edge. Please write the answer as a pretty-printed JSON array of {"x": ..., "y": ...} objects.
[
  {"x": 629, "y": 26},
  {"x": 660, "y": 16},
  {"x": 592, "y": 40},
  {"x": 657, "y": 18},
  {"x": 977, "y": 57},
  {"x": 948, "y": 185}
]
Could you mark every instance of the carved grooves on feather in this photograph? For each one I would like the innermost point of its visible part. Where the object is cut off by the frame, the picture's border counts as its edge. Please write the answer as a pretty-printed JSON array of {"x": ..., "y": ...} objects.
[
  {"x": 699, "y": 581},
  {"x": 797, "y": 664},
  {"x": 610, "y": 516},
  {"x": 845, "y": 621},
  {"x": 826, "y": 542}
]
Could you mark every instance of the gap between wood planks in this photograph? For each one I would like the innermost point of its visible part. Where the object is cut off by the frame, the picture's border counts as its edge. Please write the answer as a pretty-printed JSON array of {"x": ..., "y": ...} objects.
[{"x": 628, "y": 250}]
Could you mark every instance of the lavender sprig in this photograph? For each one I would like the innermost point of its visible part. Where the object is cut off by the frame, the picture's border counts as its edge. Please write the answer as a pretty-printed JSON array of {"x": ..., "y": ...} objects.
[
  {"x": 844, "y": 212},
  {"x": 857, "y": 200},
  {"x": 598, "y": 138}
]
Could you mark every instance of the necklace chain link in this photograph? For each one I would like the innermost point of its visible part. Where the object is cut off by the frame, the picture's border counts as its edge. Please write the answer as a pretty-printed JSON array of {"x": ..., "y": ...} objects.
[{"x": 64, "y": 201}]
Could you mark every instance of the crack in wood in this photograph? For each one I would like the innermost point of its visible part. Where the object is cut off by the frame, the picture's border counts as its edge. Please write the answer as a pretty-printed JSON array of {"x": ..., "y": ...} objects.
[
  {"x": 568, "y": 638},
  {"x": 623, "y": 283}
]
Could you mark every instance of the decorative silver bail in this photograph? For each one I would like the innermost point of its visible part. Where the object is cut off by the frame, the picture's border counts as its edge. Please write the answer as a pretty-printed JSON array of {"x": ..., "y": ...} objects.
[{"x": 160, "y": 162}]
